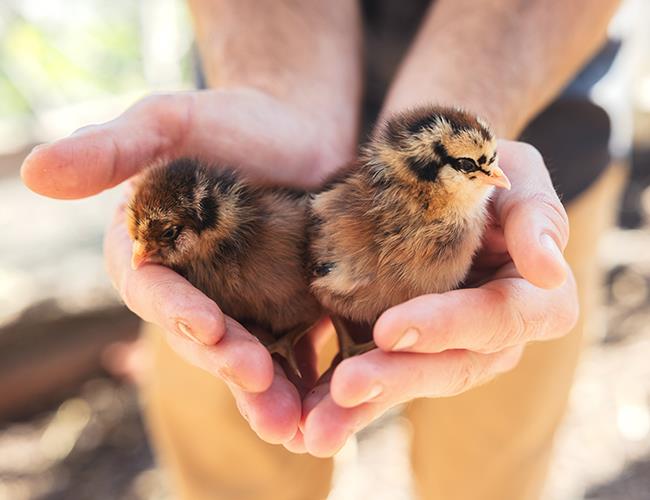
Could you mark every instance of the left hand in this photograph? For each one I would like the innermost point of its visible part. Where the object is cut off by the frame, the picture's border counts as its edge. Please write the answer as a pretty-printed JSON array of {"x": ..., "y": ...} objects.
[
  {"x": 235, "y": 126},
  {"x": 454, "y": 341}
]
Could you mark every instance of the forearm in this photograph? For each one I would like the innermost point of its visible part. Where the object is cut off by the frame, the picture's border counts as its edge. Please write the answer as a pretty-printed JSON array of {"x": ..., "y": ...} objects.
[
  {"x": 503, "y": 59},
  {"x": 306, "y": 54}
]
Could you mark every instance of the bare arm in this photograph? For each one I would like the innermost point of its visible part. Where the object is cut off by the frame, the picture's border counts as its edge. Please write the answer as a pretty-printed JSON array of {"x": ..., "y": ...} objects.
[
  {"x": 504, "y": 59},
  {"x": 283, "y": 107},
  {"x": 306, "y": 54}
]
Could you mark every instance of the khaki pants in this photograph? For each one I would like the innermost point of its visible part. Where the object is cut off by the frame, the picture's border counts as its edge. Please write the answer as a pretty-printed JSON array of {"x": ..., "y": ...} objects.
[{"x": 491, "y": 443}]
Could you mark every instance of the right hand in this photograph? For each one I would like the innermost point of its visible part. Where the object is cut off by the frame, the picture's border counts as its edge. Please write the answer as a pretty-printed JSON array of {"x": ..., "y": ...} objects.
[{"x": 245, "y": 128}]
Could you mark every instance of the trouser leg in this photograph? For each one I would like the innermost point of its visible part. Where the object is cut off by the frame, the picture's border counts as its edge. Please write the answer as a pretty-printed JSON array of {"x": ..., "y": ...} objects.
[{"x": 494, "y": 442}]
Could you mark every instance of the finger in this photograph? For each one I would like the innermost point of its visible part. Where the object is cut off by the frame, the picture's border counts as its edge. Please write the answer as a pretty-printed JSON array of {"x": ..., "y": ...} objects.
[
  {"x": 325, "y": 425},
  {"x": 159, "y": 295},
  {"x": 297, "y": 444},
  {"x": 98, "y": 157},
  {"x": 275, "y": 413},
  {"x": 201, "y": 333},
  {"x": 534, "y": 221},
  {"x": 312, "y": 399},
  {"x": 212, "y": 124},
  {"x": 353, "y": 401},
  {"x": 328, "y": 426},
  {"x": 389, "y": 379},
  {"x": 316, "y": 394},
  {"x": 502, "y": 313},
  {"x": 238, "y": 358}
]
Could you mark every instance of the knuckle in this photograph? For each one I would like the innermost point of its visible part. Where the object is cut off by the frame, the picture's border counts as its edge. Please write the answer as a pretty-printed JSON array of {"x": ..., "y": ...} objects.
[
  {"x": 574, "y": 315},
  {"x": 128, "y": 293},
  {"x": 158, "y": 102},
  {"x": 508, "y": 359},
  {"x": 86, "y": 129},
  {"x": 531, "y": 152},
  {"x": 553, "y": 209},
  {"x": 157, "y": 292},
  {"x": 465, "y": 375},
  {"x": 567, "y": 320},
  {"x": 172, "y": 116},
  {"x": 518, "y": 325},
  {"x": 568, "y": 313},
  {"x": 551, "y": 203},
  {"x": 528, "y": 325},
  {"x": 496, "y": 338},
  {"x": 443, "y": 338},
  {"x": 511, "y": 325}
]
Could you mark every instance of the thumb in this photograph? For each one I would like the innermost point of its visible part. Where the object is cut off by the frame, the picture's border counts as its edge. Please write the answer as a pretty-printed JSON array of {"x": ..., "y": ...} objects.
[
  {"x": 241, "y": 127},
  {"x": 98, "y": 157},
  {"x": 535, "y": 224}
]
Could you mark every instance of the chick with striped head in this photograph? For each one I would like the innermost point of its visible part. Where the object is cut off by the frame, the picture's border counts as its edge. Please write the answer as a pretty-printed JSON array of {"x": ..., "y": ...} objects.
[{"x": 405, "y": 220}]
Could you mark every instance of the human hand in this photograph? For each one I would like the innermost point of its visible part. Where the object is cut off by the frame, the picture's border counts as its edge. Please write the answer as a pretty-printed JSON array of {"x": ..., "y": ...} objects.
[
  {"x": 444, "y": 344},
  {"x": 272, "y": 142}
]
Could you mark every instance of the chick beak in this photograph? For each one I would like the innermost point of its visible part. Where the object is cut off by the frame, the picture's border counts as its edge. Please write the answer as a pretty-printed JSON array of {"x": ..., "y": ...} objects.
[
  {"x": 139, "y": 255},
  {"x": 497, "y": 178}
]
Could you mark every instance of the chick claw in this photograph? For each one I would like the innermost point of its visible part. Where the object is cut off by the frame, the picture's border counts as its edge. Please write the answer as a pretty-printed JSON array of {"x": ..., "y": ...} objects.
[
  {"x": 353, "y": 349},
  {"x": 285, "y": 347},
  {"x": 347, "y": 346}
]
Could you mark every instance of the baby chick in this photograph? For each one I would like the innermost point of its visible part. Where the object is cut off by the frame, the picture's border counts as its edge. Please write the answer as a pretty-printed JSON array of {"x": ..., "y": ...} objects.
[
  {"x": 242, "y": 245},
  {"x": 405, "y": 220}
]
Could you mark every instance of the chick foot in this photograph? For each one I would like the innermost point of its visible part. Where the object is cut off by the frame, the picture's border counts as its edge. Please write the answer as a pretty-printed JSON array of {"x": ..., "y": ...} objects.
[
  {"x": 285, "y": 346},
  {"x": 356, "y": 349},
  {"x": 347, "y": 346}
]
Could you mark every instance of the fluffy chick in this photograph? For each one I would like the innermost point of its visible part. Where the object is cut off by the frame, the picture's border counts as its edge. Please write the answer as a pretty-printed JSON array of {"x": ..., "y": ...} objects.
[
  {"x": 242, "y": 245},
  {"x": 405, "y": 220}
]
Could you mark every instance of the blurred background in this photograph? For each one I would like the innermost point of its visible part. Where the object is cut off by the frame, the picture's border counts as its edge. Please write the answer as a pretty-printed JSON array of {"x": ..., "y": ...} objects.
[{"x": 69, "y": 418}]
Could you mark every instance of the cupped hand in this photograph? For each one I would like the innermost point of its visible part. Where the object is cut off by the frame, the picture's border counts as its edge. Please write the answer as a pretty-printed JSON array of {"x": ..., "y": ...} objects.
[
  {"x": 444, "y": 344},
  {"x": 244, "y": 128}
]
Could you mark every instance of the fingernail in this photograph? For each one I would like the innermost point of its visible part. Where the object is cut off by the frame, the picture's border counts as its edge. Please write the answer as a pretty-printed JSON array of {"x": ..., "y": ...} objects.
[
  {"x": 185, "y": 330},
  {"x": 549, "y": 243},
  {"x": 408, "y": 339},
  {"x": 374, "y": 391}
]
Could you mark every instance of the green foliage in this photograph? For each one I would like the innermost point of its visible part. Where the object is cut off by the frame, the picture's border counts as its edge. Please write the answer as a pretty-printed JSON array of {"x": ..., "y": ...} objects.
[{"x": 46, "y": 63}]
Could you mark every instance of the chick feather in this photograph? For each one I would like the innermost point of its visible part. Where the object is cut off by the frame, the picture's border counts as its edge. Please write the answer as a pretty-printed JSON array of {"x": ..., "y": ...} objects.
[
  {"x": 242, "y": 245},
  {"x": 404, "y": 220}
]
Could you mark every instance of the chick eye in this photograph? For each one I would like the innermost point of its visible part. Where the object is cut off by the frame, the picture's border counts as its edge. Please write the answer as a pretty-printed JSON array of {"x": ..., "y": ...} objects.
[
  {"x": 467, "y": 165},
  {"x": 171, "y": 233}
]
